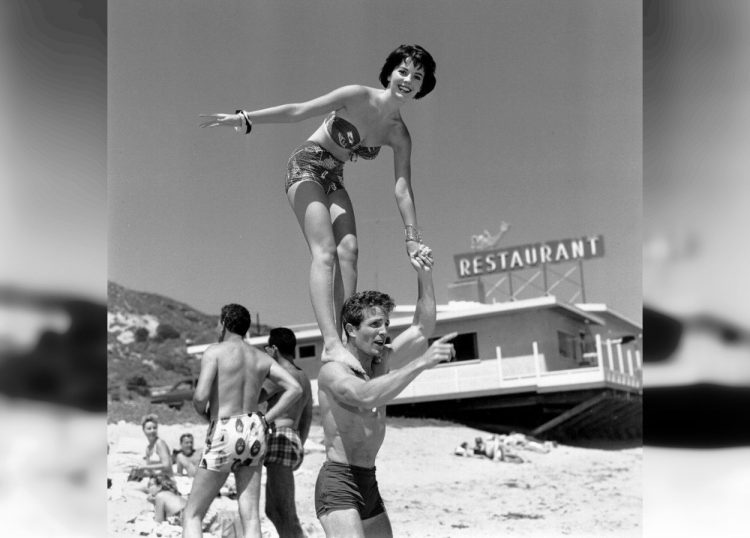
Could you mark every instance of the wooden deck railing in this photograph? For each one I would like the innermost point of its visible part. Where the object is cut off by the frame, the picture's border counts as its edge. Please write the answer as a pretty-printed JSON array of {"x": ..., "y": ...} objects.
[{"x": 613, "y": 368}]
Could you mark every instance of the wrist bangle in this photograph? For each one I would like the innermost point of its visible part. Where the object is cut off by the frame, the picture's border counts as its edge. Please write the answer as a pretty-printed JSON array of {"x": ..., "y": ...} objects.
[
  {"x": 412, "y": 233},
  {"x": 248, "y": 123}
]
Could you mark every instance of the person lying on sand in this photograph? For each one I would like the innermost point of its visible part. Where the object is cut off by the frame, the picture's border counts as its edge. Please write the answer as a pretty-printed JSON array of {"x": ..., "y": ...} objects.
[
  {"x": 492, "y": 448},
  {"x": 526, "y": 442},
  {"x": 168, "y": 503},
  {"x": 496, "y": 451}
]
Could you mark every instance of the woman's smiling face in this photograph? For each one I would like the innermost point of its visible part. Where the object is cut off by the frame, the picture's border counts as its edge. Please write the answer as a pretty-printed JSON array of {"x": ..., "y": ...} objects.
[
  {"x": 406, "y": 79},
  {"x": 150, "y": 428}
]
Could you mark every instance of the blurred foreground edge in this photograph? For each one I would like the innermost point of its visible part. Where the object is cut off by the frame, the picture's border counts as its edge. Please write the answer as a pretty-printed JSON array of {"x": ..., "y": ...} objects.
[
  {"x": 696, "y": 416},
  {"x": 63, "y": 368}
]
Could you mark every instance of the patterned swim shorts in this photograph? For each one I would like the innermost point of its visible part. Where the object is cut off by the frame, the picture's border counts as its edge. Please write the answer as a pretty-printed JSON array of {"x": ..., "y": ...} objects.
[
  {"x": 233, "y": 442},
  {"x": 312, "y": 162},
  {"x": 284, "y": 448}
]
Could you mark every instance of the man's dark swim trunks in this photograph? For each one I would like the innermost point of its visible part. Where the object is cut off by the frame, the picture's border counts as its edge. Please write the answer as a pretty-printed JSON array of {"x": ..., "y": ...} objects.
[{"x": 341, "y": 487}]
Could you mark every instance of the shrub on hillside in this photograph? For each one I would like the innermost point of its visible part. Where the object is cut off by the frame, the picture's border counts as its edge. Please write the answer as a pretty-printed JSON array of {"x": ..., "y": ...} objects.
[
  {"x": 164, "y": 331},
  {"x": 173, "y": 363},
  {"x": 134, "y": 410},
  {"x": 138, "y": 384},
  {"x": 141, "y": 334}
]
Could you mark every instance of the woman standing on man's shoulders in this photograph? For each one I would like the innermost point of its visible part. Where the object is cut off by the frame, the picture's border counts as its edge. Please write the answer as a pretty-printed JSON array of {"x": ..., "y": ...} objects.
[{"x": 359, "y": 121}]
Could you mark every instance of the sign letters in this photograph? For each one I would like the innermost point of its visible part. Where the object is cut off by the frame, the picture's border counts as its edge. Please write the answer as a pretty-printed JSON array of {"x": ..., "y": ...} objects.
[{"x": 524, "y": 256}]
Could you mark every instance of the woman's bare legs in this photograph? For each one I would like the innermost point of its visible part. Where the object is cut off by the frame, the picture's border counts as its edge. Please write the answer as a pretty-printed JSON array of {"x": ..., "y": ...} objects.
[
  {"x": 311, "y": 206},
  {"x": 347, "y": 251}
]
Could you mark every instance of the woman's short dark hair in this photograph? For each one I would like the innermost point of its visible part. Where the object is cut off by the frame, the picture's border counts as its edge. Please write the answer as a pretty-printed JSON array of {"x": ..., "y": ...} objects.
[
  {"x": 420, "y": 57},
  {"x": 356, "y": 306},
  {"x": 235, "y": 318},
  {"x": 283, "y": 339}
]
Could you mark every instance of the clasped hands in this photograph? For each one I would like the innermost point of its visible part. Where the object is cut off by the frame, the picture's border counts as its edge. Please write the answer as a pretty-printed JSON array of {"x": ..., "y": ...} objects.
[{"x": 420, "y": 255}]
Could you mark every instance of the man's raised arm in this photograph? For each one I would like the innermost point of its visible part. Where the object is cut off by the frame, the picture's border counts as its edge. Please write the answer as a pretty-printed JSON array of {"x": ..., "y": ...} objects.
[
  {"x": 413, "y": 341},
  {"x": 338, "y": 379}
]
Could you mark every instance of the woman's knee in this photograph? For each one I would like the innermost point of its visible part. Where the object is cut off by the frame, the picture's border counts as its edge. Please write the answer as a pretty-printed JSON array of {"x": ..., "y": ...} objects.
[
  {"x": 324, "y": 254},
  {"x": 348, "y": 250}
]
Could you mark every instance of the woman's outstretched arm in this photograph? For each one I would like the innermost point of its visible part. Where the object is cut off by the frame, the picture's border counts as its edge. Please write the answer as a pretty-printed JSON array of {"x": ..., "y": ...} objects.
[{"x": 290, "y": 112}]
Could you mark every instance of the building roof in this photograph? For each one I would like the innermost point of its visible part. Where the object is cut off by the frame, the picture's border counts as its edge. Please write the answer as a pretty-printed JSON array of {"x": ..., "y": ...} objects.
[
  {"x": 453, "y": 311},
  {"x": 608, "y": 315}
]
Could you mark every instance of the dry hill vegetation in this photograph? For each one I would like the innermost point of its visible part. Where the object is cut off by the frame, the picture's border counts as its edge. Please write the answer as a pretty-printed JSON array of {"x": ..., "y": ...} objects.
[{"x": 147, "y": 339}]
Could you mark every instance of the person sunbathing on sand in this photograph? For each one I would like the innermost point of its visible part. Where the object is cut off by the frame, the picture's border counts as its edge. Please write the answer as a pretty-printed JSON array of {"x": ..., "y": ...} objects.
[
  {"x": 186, "y": 459},
  {"x": 156, "y": 460},
  {"x": 492, "y": 447},
  {"x": 168, "y": 503}
]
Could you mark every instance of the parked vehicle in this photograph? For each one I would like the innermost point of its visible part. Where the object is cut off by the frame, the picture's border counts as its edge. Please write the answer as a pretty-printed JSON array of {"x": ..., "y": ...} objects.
[{"x": 177, "y": 394}]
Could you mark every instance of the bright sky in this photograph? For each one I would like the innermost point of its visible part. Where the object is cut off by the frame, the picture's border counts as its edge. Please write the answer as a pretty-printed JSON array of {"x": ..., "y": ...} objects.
[{"x": 536, "y": 120}]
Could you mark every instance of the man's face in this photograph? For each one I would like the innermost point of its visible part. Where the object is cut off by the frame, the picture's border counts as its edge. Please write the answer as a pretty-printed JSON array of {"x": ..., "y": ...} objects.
[{"x": 371, "y": 335}]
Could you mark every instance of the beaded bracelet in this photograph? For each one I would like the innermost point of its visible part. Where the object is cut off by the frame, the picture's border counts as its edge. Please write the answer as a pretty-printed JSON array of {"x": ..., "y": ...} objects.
[
  {"x": 248, "y": 123},
  {"x": 412, "y": 233}
]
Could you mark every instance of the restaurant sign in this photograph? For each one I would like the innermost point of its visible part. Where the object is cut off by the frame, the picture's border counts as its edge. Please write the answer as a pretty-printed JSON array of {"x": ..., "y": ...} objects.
[{"x": 515, "y": 258}]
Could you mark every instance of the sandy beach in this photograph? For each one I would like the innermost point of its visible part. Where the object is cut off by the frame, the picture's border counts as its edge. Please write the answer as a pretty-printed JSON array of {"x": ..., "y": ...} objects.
[{"x": 430, "y": 492}]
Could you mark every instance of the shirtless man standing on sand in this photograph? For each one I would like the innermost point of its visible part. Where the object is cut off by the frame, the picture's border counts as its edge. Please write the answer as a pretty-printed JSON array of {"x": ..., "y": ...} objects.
[
  {"x": 227, "y": 393},
  {"x": 352, "y": 406},
  {"x": 286, "y": 443}
]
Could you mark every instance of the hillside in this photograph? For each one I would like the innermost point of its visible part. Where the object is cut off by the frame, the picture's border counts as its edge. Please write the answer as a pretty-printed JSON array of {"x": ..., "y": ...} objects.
[{"x": 148, "y": 335}]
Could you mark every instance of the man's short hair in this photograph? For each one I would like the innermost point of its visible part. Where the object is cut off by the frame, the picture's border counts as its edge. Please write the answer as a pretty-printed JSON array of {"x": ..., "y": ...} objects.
[
  {"x": 355, "y": 307},
  {"x": 186, "y": 436},
  {"x": 235, "y": 318},
  {"x": 284, "y": 340}
]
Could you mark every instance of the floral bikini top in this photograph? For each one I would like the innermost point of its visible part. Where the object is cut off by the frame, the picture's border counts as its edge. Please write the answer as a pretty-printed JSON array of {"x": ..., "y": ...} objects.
[{"x": 346, "y": 135}]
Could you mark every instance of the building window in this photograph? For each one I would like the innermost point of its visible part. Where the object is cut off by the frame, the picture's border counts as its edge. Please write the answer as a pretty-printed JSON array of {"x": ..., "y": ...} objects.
[
  {"x": 306, "y": 351},
  {"x": 587, "y": 347},
  {"x": 465, "y": 345},
  {"x": 567, "y": 345}
]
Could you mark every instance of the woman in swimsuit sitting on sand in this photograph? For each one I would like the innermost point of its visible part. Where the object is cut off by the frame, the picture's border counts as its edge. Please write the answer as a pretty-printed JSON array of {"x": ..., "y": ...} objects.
[
  {"x": 359, "y": 120},
  {"x": 156, "y": 460}
]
